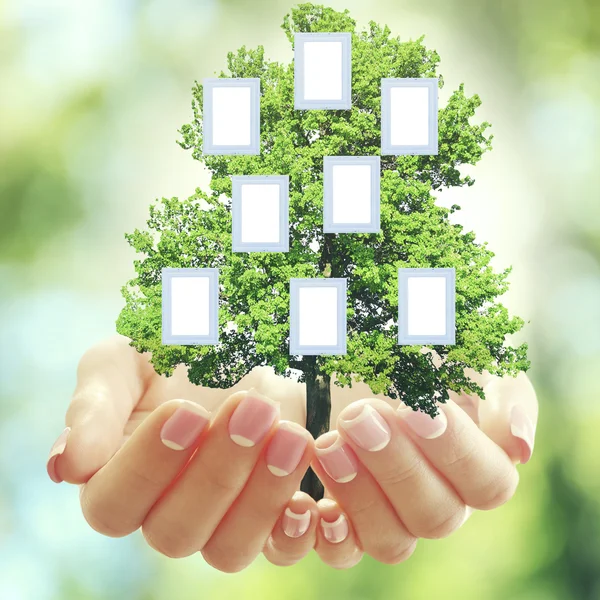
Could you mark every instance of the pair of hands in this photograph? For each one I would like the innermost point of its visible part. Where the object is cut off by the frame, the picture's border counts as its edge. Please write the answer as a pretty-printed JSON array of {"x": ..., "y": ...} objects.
[{"x": 219, "y": 471}]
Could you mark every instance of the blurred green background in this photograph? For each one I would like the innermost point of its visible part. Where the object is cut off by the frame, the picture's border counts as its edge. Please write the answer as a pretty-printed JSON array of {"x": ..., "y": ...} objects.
[{"x": 92, "y": 93}]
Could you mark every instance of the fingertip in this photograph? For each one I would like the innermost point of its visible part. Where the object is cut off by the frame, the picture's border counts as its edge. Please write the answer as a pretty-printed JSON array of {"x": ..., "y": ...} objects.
[
  {"x": 56, "y": 451},
  {"x": 333, "y": 522},
  {"x": 302, "y": 501},
  {"x": 299, "y": 515},
  {"x": 523, "y": 430},
  {"x": 297, "y": 429},
  {"x": 294, "y": 534},
  {"x": 329, "y": 509},
  {"x": 88, "y": 447},
  {"x": 334, "y": 460},
  {"x": 295, "y": 524},
  {"x": 509, "y": 415},
  {"x": 336, "y": 543},
  {"x": 180, "y": 423}
]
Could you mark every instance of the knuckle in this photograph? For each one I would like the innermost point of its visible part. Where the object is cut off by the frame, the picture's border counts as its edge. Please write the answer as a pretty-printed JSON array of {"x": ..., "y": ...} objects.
[
  {"x": 224, "y": 559},
  {"x": 399, "y": 474},
  {"x": 99, "y": 517},
  {"x": 88, "y": 356},
  {"x": 84, "y": 395},
  {"x": 145, "y": 477},
  {"x": 283, "y": 558},
  {"x": 278, "y": 556},
  {"x": 264, "y": 510},
  {"x": 394, "y": 552},
  {"x": 285, "y": 551},
  {"x": 460, "y": 452},
  {"x": 94, "y": 355},
  {"x": 169, "y": 545},
  {"x": 364, "y": 510},
  {"x": 218, "y": 478},
  {"x": 347, "y": 561},
  {"x": 500, "y": 490},
  {"x": 438, "y": 527}
]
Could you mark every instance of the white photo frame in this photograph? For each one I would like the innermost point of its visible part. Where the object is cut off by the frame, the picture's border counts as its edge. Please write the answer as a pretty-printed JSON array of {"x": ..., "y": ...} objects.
[
  {"x": 318, "y": 324},
  {"x": 409, "y": 116},
  {"x": 190, "y": 306},
  {"x": 322, "y": 71},
  {"x": 351, "y": 194},
  {"x": 231, "y": 116},
  {"x": 260, "y": 213},
  {"x": 426, "y": 306}
]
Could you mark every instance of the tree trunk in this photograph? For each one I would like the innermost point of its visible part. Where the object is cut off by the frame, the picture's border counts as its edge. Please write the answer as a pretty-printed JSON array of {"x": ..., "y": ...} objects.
[{"x": 318, "y": 411}]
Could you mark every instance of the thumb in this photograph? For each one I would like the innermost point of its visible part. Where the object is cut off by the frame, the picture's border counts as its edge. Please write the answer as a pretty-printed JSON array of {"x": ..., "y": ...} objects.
[
  {"x": 108, "y": 388},
  {"x": 509, "y": 415}
]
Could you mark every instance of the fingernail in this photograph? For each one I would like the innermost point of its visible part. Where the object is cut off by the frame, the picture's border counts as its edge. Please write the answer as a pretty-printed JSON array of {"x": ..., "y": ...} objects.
[
  {"x": 366, "y": 427},
  {"x": 295, "y": 525},
  {"x": 522, "y": 427},
  {"x": 252, "y": 419},
  {"x": 57, "y": 449},
  {"x": 184, "y": 426},
  {"x": 468, "y": 513},
  {"x": 336, "y": 457},
  {"x": 422, "y": 424},
  {"x": 285, "y": 449},
  {"x": 337, "y": 531}
]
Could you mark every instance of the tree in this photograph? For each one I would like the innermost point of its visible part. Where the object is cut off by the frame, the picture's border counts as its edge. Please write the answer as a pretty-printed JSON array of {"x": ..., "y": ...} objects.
[{"x": 415, "y": 232}]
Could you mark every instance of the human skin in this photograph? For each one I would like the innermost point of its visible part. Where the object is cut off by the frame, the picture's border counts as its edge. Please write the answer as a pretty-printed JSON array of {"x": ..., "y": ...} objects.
[{"x": 195, "y": 484}]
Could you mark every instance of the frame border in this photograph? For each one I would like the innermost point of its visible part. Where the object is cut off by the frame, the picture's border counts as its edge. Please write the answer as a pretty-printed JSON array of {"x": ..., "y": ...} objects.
[
  {"x": 329, "y": 226},
  {"x": 299, "y": 40},
  {"x": 407, "y": 340},
  {"x": 209, "y": 84},
  {"x": 236, "y": 205},
  {"x": 340, "y": 347},
  {"x": 431, "y": 148},
  {"x": 190, "y": 340}
]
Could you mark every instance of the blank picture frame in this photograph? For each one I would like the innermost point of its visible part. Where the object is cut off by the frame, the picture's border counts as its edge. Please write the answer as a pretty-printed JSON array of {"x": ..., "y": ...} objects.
[
  {"x": 190, "y": 306},
  {"x": 231, "y": 116},
  {"x": 318, "y": 323},
  {"x": 260, "y": 213},
  {"x": 351, "y": 194},
  {"x": 409, "y": 116},
  {"x": 322, "y": 71},
  {"x": 426, "y": 306}
]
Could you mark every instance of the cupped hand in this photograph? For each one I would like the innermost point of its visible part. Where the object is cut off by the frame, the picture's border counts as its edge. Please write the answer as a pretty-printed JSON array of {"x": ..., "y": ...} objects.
[
  {"x": 148, "y": 453},
  {"x": 400, "y": 475}
]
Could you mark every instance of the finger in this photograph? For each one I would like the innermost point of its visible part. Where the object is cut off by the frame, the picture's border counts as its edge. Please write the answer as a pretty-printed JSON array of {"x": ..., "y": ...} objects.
[
  {"x": 241, "y": 535},
  {"x": 343, "y": 396},
  {"x": 336, "y": 543},
  {"x": 183, "y": 520},
  {"x": 111, "y": 377},
  {"x": 295, "y": 532},
  {"x": 378, "y": 529},
  {"x": 468, "y": 403},
  {"x": 509, "y": 415},
  {"x": 479, "y": 470},
  {"x": 116, "y": 500},
  {"x": 426, "y": 503}
]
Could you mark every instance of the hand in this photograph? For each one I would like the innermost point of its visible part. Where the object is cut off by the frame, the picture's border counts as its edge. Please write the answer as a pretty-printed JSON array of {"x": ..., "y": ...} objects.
[
  {"x": 145, "y": 459},
  {"x": 119, "y": 395},
  {"x": 400, "y": 475}
]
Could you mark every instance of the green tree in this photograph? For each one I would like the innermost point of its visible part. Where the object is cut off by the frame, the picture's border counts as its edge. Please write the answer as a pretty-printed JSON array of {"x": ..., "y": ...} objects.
[{"x": 415, "y": 232}]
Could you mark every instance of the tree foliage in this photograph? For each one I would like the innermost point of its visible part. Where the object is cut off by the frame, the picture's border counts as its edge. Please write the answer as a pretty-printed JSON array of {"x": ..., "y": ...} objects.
[{"x": 415, "y": 232}]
